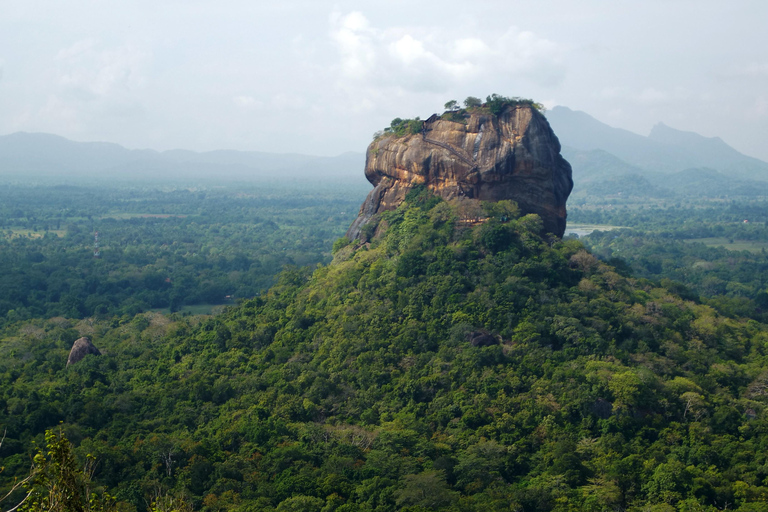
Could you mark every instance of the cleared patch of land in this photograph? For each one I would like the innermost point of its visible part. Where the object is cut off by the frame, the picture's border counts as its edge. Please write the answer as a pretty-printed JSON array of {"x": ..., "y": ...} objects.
[
  {"x": 731, "y": 244},
  {"x": 141, "y": 216},
  {"x": 10, "y": 233}
]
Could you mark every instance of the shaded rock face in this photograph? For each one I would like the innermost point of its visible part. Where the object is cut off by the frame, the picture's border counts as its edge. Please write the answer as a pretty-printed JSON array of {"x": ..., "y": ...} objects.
[
  {"x": 481, "y": 339},
  {"x": 81, "y": 348},
  {"x": 511, "y": 156}
]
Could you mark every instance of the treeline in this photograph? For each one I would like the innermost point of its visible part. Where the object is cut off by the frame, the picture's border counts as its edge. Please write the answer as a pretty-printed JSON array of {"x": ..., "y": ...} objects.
[
  {"x": 679, "y": 216},
  {"x": 494, "y": 104}
]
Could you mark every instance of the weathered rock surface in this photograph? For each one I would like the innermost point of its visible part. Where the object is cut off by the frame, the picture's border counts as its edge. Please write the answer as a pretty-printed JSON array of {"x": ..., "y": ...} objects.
[
  {"x": 514, "y": 155},
  {"x": 481, "y": 339},
  {"x": 81, "y": 348}
]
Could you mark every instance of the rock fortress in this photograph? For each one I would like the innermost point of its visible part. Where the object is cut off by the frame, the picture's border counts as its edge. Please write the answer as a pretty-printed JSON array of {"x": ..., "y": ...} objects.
[{"x": 472, "y": 154}]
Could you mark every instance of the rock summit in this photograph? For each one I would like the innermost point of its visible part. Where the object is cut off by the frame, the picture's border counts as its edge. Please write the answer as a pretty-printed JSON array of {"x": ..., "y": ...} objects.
[{"x": 472, "y": 154}]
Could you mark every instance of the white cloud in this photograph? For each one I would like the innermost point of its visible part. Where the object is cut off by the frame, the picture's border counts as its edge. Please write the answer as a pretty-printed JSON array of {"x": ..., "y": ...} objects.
[
  {"x": 354, "y": 41},
  {"x": 409, "y": 50},
  {"x": 429, "y": 59},
  {"x": 470, "y": 48},
  {"x": 92, "y": 72},
  {"x": 86, "y": 90},
  {"x": 355, "y": 21}
]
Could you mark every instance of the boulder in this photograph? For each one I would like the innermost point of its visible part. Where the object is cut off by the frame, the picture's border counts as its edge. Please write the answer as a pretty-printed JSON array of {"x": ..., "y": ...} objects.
[{"x": 81, "y": 348}]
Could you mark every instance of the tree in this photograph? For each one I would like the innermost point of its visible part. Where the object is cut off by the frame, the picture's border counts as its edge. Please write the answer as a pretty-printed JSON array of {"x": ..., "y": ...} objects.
[
  {"x": 452, "y": 105},
  {"x": 57, "y": 483},
  {"x": 427, "y": 489},
  {"x": 16, "y": 484},
  {"x": 497, "y": 103},
  {"x": 472, "y": 102},
  {"x": 164, "y": 502}
]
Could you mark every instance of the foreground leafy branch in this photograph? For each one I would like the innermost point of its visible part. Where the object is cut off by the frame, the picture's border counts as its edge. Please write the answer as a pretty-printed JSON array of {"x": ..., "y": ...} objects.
[
  {"x": 58, "y": 483},
  {"x": 17, "y": 484}
]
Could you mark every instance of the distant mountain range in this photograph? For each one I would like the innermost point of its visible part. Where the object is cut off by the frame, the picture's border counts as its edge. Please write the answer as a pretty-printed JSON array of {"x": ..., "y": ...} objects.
[
  {"x": 606, "y": 161},
  {"x": 668, "y": 162},
  {"x": 46, "y": 155}
]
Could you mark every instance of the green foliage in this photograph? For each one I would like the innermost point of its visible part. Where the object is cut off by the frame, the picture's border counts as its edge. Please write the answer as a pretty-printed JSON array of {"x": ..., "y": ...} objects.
[
  {"x": 457, "y": 116},
  {"x": 497, "y": 103},
  {"x": 671, "y": 245},
  {"x": 339, "y": 244},
  {"x": 494, "y": 103},
  {"x": 168, "y": 503},
  {"x": 452, "y": 105},
  {"x": 159, "y": 249},
  {"x": 367, "y": 231},
  {"x": 402, "y": 127},
  {"x": 427, "y": 490},
  {"x": 472, "y": 102},
  {"x": 421, "y": 197},
  {"x": 59, "y": 484},
  {"x": 354, "y": 386}
]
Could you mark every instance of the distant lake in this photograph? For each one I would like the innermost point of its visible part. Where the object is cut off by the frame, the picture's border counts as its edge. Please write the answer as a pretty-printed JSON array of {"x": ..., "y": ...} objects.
[{"x": 585, "y": 229}]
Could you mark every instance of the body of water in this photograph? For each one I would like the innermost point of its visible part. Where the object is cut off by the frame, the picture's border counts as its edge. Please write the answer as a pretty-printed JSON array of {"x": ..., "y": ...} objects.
[{"x": 585, "y": 229}]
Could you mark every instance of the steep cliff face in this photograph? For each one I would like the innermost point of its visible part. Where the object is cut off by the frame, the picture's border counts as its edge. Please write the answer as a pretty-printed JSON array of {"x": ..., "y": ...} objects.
[{"x": 514, "y": 155}]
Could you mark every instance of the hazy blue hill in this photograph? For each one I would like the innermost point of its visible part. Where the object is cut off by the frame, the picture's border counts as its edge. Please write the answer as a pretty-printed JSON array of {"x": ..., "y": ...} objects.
[
  {"x": 581, "y": 131},
  {"x": 712, "y": 152},
  {"x": 41, "y": 155},
  {"x": 665, "y": 150},
  {"x": 599, "y": 173},
  {"x": 596, "y": 164},
  {"x": 712, "y": 148}
]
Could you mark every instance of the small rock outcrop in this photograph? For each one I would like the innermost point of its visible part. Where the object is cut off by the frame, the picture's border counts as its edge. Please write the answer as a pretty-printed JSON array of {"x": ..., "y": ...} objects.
[
  {"x": 81, "y": 348},
  {"x": 482, "y": 339},
  {"x": 513, "y": 155}
]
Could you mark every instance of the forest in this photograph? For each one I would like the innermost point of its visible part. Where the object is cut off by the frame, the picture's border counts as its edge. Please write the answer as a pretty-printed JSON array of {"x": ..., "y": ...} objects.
[
  {"x": 711, "y": 251},
  {"x": 443, "y": 366},
  {"x": 159, "y": 248}
]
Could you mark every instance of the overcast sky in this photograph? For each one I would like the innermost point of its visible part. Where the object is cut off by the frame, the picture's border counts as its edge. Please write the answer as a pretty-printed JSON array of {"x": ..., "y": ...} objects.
[{"x": 317, "y": 77}]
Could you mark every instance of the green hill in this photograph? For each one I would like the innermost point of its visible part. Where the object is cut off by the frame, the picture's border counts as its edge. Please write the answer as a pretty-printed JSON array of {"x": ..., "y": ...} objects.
[{"x": 443, "y": 366}]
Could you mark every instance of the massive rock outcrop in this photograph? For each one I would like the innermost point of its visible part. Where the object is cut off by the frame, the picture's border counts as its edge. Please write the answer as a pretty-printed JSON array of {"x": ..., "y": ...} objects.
[{"x": 513, "y": 155}]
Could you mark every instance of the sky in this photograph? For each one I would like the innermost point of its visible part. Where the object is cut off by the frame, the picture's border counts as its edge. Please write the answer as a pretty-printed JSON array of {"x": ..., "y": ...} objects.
[{"x": 317, "y": 77}]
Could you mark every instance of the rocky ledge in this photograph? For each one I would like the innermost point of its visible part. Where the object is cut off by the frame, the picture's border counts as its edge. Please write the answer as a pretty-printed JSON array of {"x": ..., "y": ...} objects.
[{"x": 474, "y": 155}]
